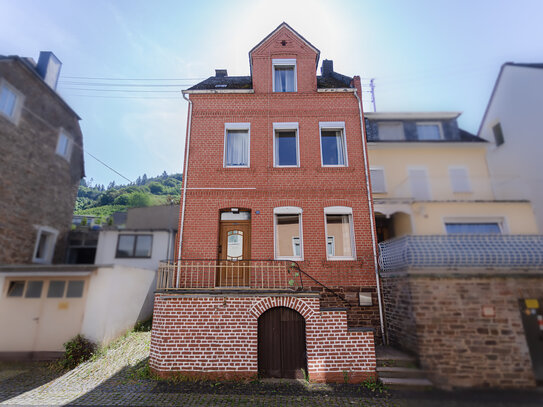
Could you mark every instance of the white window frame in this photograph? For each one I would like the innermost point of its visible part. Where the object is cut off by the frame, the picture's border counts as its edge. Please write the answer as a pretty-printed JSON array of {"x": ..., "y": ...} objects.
[
  {"x": 468, "y": 189},
  {"x": 500, "y": 220},
  {"x": 330, "y": 239},
  {"x": 339, "y": 210},
  {"x": 50, "y": 244},
  {"x": 382, "y": 169},
  {"x": 390, "y": 123},
  {"x": 237, "y": 126},
  {"x": 286, "y": 126},
  {"x": 288, "y": 210},
  {"x": 427, "y": 183},
  {"x": 19, "y": 100},
  {"x": 284, "y": 62},
  {"x": 438, "y": 124},
  {"x": 67, "y": 155},
  {"x": 334, "y": 126}
]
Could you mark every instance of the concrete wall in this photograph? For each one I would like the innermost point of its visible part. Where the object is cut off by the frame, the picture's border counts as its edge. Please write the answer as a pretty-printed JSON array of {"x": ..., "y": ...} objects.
[
  {"x": 37, "y": 186},
  {"x": 117, "y": 298},
  {"x": 107, "y": 248},
  {"x": 439, "y": 315}
]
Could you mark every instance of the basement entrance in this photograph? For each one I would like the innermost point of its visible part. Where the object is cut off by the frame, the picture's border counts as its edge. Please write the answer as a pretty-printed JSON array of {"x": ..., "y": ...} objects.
[{"x": 281, "y": 344}]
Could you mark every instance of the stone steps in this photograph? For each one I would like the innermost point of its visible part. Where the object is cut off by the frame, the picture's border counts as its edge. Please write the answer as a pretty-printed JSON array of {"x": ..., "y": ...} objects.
[
  {"x": 399, "y": 371},
  {"x": 396, "y": 383}
]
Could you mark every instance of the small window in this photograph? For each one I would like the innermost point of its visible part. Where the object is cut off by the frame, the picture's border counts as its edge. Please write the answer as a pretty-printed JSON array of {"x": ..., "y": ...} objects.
[
  {"x": 284, "y": 75},
  {"x": 134, "y": 246},
  {"x": 75, "y": 289},
  {"x": 33, "y": 289},
  {"x": 11, "y": 101},
  {"x": 237, "y": 146},
  {"x": 288, "y": 233},
  {"x": 286, "y": 144},
  {"x": 418, "y": 180},
  {"x": 459, "y": 179},
  {"x": 333, "y": 148},
  {"x": 56, "y": 289},
  {"x": 64, "y": 146},
  {"x": 378, "y": 180},
  {"x": 429, "y": 131},
  {"x": 339, "y": 233},
  {"x": 475, "y": 228},
  {"x": 498, "y": 134},
  {"x": 45, "y": 244},
  {"x": 389, "y": 131},
  {"x": 16, "y": 288}
]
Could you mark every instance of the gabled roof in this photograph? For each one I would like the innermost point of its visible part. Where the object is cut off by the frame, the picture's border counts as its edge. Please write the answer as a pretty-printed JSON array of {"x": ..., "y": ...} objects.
[
  {"x": 288, "y": 27},
  {"x": 537, "y": 65},
  {"x": 224, "y": 82}
]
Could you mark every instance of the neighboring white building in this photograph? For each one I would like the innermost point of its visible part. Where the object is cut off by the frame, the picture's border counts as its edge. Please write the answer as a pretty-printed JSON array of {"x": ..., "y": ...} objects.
[{"x": 512, "y": 123}]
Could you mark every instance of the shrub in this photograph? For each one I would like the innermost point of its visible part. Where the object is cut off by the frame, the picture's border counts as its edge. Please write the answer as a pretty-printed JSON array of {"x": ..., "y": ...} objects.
[
  {"x": 77, "y": 350},
  {"x": 143, "y": 326}
]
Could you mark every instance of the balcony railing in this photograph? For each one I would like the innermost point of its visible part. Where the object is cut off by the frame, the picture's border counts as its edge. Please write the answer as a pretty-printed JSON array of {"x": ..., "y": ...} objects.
[
  {"x": 462, "y": 251},
  {"x": 224, "y": 274}
]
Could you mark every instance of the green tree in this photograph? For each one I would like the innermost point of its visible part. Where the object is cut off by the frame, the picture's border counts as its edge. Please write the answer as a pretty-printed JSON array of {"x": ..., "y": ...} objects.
[{"x": 139, "y": 199}]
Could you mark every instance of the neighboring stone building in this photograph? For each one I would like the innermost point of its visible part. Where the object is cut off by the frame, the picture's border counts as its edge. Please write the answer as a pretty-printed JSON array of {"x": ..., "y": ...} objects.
[
  {"x": 42, "y": 161},
  {"x": 277, "y": 271}
]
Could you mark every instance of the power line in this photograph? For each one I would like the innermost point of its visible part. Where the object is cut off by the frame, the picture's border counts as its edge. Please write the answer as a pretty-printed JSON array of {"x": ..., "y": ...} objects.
[
  {"x": 112, "y": 169},
  {"x": 132, "y": 79},
  {"x": 122, "y": 97},
  {"x": 125, "y": 90},
  {"x": 122, "y": 84}
]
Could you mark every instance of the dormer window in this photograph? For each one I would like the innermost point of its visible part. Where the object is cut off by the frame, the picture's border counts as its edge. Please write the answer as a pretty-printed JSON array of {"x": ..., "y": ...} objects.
[
  {"x": 429, "y": 131},
  {"x": 284, "y": 75}
]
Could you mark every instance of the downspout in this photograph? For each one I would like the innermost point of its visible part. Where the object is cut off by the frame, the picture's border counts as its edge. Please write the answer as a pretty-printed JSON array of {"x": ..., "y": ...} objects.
[
  {"x": 372, "y": 215},
  {"x": 185, "y": 172}
]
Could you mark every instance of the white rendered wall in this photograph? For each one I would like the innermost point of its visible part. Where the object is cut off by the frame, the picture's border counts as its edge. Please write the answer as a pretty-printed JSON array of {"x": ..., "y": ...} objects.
[
  {"x": 117, "y": 298},
  {"x": 516, "y": 167},
  {"x": 107, "y": 247}
]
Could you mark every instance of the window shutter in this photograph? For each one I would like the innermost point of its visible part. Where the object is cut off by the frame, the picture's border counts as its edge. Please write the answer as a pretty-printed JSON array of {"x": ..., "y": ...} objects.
[
  {"x": 459, "y": 180},
  {"x": 377, "y": 180},
  {"x": 418, "y": 179}
]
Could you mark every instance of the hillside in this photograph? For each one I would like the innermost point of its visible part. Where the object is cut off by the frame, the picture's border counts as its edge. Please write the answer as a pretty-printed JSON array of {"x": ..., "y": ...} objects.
[{"x": 100, "y": 201}]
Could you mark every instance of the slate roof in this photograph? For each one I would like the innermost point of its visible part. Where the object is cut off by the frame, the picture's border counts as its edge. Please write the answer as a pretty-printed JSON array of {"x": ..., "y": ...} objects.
[
  {"x": 467, "y": 136},
  {"x": 333, "y": 81},
  {"x": 526, "y": 65}
]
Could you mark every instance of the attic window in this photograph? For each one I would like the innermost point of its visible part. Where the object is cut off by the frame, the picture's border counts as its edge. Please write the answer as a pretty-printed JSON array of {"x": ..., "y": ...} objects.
[
  {"x": 283, "y": 43},
  {"x": 284, "y": 75},
  {"x": 220, "y": 86}
]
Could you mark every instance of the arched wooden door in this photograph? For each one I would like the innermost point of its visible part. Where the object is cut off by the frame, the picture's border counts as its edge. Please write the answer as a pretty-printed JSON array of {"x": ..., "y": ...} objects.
[{"x": 281, "y": 344}]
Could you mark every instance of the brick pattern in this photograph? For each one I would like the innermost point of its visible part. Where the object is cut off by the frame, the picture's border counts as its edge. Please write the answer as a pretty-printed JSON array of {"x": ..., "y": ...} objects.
[
  {"x": 37, "y": 186},
  {"x": 456, "y": 344},
  {"x": 217, "y": 336}
]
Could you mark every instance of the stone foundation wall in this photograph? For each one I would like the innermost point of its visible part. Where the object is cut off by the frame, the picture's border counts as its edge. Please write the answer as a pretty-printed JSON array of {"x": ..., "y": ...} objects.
[
  {"x": 442, "y": 315},
  {"x": 216, "y": 336}
]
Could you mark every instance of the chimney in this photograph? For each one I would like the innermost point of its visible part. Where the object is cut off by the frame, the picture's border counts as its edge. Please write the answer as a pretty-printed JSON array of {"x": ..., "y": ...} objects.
[
  {"x": 220, "y": 73},
  {"x": 49, "y": 68},
  {"x": 327, "y": 67}
]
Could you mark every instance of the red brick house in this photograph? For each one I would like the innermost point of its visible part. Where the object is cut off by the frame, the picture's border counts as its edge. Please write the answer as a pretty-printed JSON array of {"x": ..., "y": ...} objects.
[{"x": 276, "y": 273}]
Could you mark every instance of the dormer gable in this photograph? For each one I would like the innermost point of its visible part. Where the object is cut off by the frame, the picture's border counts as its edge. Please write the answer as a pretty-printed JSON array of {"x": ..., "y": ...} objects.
[{"x": 284, "y": 61}]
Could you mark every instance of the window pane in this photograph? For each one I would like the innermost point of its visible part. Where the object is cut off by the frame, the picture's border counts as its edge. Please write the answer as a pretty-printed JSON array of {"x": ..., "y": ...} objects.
[
  {"x": 234, "y": 250},
  {"x": 56, "y": 289},
  {"x": 330, "y": 246},
  {"x": 143, "y": 246},
  {"x": 125, "y": 248},
  {"x": 42, "y": 246},
  {"x": 418, "y": 180},
  {"x": 285, "y": 148},
  {"x": 62, "y": 146},
  {"x": 288, "y": 228},
  {"x": 390, "y": 131},
  {"x": 377, "y": 180},
  {"x": 459, "y": 180},
  {"x": 33, "y": 289},
  {"x": 237, "y": 147},
  {"x": 472, "y": 228},
  {"x": 284, "y": 78},
  {"x": 332, "y": 147},
  {"x": 428, "y": 132},
  {"x": 75, "y": 289},
  {"x": 7, "y": 101},
  {"x": 339, "y": 229},
  {"x": 296, "y": 246},
  {"x": 16, "y": 288},
  {"x": 498, "y": 134}
]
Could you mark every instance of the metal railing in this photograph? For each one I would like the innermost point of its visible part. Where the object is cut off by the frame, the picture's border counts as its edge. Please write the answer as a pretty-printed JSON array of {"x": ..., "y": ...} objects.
[
  {"x": 223, "y": 274},
  {"x": 462, "y": 251}
]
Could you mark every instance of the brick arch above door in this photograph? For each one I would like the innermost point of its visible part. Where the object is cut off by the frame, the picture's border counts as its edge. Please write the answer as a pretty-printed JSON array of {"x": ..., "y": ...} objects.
[{"x": 306, "y": 306}]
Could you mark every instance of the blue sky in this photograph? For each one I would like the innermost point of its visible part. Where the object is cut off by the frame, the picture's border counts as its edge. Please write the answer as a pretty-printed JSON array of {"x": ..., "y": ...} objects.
[{"x": 424, "y": 55}]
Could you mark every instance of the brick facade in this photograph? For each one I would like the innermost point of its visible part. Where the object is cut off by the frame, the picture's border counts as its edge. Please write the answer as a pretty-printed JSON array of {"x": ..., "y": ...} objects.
[
  {"x": 216, "y": 337},
  {"x": 338, "y": 343},
  {"x": 439, "y": 316},
  {"x": 37, "y": 186}
]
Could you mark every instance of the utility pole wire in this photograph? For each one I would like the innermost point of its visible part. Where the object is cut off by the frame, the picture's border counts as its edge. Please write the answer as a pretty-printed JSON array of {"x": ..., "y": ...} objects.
[{"x": 103, "y": 163}]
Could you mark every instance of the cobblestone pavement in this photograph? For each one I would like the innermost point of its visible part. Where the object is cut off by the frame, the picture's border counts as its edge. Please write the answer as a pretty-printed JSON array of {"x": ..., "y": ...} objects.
[{"x": 118, "y": 378}]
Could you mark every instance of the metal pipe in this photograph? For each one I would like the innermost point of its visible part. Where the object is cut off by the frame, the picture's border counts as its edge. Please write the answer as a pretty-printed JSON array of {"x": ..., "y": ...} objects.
[
  {"x": 372, "y": 215},
  {"x": 185, "y": 177}
]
